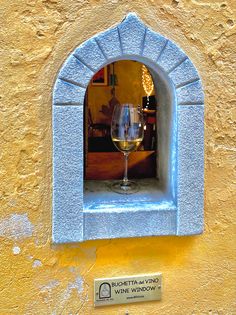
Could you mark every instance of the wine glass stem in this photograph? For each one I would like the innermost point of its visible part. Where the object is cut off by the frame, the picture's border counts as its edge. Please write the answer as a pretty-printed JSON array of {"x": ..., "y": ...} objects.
[{"x": 125, "y": 179}]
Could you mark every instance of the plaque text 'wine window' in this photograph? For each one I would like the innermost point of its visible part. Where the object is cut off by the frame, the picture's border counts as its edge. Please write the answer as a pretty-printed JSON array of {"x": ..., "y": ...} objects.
[{"x": 172, "y": 203}]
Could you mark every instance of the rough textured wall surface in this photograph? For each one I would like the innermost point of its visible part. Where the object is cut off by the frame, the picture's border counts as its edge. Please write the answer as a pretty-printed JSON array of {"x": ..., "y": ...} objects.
[{"x": 38, "y": 278}]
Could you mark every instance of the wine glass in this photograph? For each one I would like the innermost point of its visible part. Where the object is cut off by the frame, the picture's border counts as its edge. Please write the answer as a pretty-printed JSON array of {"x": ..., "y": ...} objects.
[{"x": 127, "y": 134}]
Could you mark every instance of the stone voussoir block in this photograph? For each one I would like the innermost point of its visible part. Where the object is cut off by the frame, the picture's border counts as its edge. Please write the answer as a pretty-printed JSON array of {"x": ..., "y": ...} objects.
[
  {"x": 76, "y": 71},
  {"x": 190, "y": 94},
  {"x": 170, "y": 57},
  {"x": 153, "y": 45},
  {"x": 110, "y": 43},
  {"x": 91, "y": 55},
  {"x": 184, "y": 73},
  {"x": 132, "y": 31},
  {"x": 68, "y": 93}
]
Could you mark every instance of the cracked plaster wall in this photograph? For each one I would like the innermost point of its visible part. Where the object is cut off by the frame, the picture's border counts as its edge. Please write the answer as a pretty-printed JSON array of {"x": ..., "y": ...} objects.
[{"x": 36, "y": 278}]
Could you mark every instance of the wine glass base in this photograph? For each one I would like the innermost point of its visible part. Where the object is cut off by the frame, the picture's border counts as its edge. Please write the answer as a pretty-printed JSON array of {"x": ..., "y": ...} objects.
[{"x": 126, "y": 189}]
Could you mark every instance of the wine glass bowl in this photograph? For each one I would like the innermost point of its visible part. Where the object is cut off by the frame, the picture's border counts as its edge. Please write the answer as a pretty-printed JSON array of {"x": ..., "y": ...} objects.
[{"x": 127, "y": 134}]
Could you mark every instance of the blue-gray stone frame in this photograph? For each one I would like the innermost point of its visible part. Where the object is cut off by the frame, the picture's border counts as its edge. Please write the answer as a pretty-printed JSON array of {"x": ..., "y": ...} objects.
[{"x": 180, "y": 134}]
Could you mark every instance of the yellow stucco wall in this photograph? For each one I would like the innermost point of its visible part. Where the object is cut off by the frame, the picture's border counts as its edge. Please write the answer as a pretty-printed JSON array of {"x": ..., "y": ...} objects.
[{"x": 38, "y": 278}]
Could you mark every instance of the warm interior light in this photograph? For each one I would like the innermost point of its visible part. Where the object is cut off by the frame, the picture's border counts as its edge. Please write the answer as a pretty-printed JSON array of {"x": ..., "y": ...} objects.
[
  {"x": 133, "y": 88},
  {"x": 147, "y": 81}
]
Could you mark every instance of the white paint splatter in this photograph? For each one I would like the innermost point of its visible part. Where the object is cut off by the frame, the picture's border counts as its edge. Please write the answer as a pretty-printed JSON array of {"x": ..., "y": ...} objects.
[
  {"x": 16, "y": 226},
  {"x": 51, "y": 285},
  {"x": 16, "y": 250},
  {"x": 37, "y": 263},
  {"x": 72, "y": 269}
]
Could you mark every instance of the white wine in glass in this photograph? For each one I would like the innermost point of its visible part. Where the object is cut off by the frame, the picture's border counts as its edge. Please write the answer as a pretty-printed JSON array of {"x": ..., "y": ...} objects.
[{"x": 127, "y": 134}]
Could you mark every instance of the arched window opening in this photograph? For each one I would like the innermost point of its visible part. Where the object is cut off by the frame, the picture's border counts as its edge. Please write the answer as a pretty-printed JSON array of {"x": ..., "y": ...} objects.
[
  {"x": 121, "y": 82},
  {"x": 127, "y": 81},
  {"x": 171, "y": 199}
]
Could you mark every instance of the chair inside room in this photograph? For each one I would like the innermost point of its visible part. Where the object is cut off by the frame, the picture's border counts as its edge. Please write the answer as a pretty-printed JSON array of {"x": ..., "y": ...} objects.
[{"x": 100, "y": 128}]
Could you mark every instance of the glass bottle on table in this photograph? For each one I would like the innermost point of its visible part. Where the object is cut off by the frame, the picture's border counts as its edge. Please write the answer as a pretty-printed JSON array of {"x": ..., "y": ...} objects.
[{"x": 127, "y": 134}]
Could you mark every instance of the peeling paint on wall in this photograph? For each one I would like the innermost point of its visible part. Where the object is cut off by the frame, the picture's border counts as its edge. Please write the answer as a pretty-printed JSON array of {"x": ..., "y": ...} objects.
[
  {"x": 16, "y": 226},
  {"x": 37, "y": 263},
  {"x": 50, "y": 285},
  {"x": 198, "y": 272},
  {"x": 77, "y": 285}
]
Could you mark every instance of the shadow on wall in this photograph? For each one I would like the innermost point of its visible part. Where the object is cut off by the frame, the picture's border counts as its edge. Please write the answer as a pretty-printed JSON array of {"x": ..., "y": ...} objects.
[{"x": 167, "y": 249}]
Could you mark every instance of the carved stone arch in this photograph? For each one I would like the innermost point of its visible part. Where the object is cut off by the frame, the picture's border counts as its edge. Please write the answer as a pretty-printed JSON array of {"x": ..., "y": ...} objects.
[{"x": 180, "y": 210}]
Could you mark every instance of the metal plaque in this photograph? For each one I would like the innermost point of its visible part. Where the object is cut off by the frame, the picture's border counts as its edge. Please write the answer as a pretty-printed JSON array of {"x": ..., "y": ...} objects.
[{"x": 129, "y": 289}]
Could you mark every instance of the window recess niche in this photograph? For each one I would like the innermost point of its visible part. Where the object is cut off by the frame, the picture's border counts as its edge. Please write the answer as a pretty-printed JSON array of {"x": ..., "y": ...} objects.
[{"x": 171, "y": 205}]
